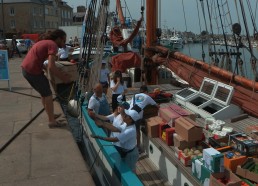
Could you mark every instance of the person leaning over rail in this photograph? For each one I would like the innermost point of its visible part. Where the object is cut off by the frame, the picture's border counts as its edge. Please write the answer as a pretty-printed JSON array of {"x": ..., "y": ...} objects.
[
  {"x": 32, "y": 70},
  {"x": 98, "y": 102},
  {"x": 139, "y": 102},
  {"x": 125, "y": 140},
  {"x": 115, "y": 118}
]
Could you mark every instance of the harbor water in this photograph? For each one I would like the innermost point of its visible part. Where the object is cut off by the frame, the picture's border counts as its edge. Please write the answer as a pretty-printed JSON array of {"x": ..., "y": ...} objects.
[{"x": 194, "y": 50}]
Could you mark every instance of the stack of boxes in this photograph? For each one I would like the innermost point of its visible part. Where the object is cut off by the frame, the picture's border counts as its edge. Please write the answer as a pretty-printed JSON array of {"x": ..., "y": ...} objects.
[
  {"x": 188, "y": 132},
  {"x": 211, "y": 162},
  {"x": 169, "y": 114}
]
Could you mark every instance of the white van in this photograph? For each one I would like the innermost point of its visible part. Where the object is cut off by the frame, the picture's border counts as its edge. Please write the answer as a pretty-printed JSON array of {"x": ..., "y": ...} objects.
[{"x": 20, "y": 44}]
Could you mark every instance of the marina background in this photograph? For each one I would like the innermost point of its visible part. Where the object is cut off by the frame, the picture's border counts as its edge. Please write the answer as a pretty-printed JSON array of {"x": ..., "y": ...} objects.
[{"x": 195, "y": 50}]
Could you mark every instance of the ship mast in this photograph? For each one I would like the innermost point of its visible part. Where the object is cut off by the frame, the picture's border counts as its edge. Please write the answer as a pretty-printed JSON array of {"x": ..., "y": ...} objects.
[
  {"x": 120, "y": 12},
  {"x": 151, "y": 22},
  {"x": 151, "y": 40}
]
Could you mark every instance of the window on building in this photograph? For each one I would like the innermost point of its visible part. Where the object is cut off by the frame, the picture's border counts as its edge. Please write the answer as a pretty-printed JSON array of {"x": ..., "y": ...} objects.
[
  {"x": 46, "y": 11},
  {"x": 34, "y": 11},
  {"x": 41, "y": 24},
  {"x": 34, "y": 24},
  {"x": 48, "y": 24},
  {"x": 12, "y": 24},
  {"x": 40, "y": 11},
  {"x": 12, "y": 12}
]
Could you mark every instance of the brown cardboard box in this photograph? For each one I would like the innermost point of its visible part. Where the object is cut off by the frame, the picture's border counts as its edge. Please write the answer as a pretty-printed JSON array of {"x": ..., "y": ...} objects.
[
  {"x": 183, "y": 112},
  {"x": 181, "y": 144},
  {"x": 251, "y": 129},
  {"x": 234, "y": 180},
  {"x": 153, "y": 126},
  {"x": 188, "y": 129},
  {"x": 168, "y": 115},
  {"x": 67, "y": 67},
  {"x": 245, "y": 173}
]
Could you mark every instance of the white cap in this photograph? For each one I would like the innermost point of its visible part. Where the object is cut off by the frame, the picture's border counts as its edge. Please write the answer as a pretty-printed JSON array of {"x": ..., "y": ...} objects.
[
  {"x": 119, "y": 98},
  {"x": 133, "y": 114},
  {"x": 104, "y": 62}
]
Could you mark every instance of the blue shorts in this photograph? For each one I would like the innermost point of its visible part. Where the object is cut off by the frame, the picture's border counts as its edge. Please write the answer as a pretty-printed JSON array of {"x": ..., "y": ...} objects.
[{"x": 39, "y": 82}]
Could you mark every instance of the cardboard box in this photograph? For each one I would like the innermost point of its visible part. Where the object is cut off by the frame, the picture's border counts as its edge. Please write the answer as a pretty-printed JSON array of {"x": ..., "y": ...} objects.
[
  {"x": 181, "y": 144},
  {"x": 218, "y": 143},
  {"x": 228, "y": 175},
  {"x": 232, "y": 163},
  {"x": 166, "y": 134},
  {"x": 188, "y": 129},
  {"x": 153, "y": 124},
  {"x": 244, "y": 144},
  {"x": 213, "y": 160},
  {"x": 168, "y": 115},
  {"x": 186, "y": 160},
  {"x": 183, "y": 112},
  {"x": 200, "y": 171},
  {"x": 245, "y": 173},
  {"x": 251, "y": 129},
  {"x": 67, "y": 67}
]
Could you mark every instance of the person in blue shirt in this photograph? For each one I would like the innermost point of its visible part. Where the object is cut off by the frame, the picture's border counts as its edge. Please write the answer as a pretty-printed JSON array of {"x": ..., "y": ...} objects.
[{"x": 28, "y": 44}]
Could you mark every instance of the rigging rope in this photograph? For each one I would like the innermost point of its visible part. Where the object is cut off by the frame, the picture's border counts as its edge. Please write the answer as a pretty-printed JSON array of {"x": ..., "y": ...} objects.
[
  {"x": 211, "y": 28},
  {"x": 252, "y": 16},
  {"x": 185, "y": 25}
]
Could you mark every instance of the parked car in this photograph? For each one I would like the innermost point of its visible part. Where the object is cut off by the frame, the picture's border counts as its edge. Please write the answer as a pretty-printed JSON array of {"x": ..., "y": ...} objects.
[{"x": 20, "y": 44}]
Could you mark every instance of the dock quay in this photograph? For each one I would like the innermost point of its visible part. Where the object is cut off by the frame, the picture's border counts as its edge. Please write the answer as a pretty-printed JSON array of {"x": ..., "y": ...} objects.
[{"x": 30, "y": 152}]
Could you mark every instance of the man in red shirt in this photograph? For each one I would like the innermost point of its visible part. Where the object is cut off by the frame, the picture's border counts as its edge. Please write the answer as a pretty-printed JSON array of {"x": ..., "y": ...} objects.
[{"x": 32, "y": 69}]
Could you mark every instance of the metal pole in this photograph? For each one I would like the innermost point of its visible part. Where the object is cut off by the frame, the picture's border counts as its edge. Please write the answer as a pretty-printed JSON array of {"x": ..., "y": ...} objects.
[{"x": 3, "y": 19}]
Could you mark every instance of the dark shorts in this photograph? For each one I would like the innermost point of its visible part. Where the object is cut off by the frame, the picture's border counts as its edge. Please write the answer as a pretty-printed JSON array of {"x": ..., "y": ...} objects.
[
  {"x": 39, "y": 82},
  {"x": 104, "y": 84}
]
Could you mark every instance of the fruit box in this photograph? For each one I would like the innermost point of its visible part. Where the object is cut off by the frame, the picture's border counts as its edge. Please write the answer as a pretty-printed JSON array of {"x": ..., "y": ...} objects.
[
  {"x": 243, "y": 170},
  {"x": 227, "y": 178},
  {"x": 232, "y": 163}
]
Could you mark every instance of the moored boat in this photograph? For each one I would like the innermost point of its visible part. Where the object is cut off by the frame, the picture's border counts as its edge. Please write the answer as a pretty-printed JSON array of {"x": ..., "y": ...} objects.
[{"x": 215, "y": 93}]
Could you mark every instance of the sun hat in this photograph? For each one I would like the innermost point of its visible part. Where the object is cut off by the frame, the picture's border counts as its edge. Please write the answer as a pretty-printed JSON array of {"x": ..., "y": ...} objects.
[{"x": 133, "y": 114}]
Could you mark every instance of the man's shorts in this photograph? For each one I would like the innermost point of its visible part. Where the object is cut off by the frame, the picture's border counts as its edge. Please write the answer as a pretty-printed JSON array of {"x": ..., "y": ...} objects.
[{"x": 39, "y": 82}]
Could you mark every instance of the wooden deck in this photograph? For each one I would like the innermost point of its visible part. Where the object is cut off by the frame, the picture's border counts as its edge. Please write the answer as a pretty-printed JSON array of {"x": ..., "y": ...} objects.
[{"x": 148, "y": 173}]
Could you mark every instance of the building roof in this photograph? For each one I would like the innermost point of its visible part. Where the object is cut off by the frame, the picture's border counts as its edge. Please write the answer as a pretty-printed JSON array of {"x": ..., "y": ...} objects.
[
  {"x": 22, "y": 1},
  {"x": 79, "y": 14}
]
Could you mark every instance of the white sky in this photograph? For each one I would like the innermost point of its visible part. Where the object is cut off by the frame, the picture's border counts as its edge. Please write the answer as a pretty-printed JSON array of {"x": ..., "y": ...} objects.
[{"x": 172, "y": 14}]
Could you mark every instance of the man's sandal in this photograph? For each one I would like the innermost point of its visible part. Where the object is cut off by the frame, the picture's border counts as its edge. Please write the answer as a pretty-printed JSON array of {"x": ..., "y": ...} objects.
[
  {"x": 57, "y": 124},
  {"x": 57, "y": 115}
]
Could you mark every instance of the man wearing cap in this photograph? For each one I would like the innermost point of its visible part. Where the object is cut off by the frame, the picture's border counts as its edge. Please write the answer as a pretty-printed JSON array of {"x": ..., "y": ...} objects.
[
  {"x": 138, "y": 103},
  {"x": 104, "y": 76},
  {"x": 124, "y": 138}
]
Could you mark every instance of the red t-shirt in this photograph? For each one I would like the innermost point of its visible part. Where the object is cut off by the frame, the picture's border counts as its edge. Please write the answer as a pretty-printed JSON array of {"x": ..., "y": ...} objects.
[{"x": 33, "y": 61}]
